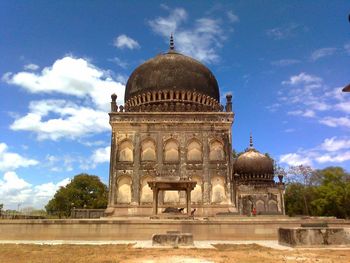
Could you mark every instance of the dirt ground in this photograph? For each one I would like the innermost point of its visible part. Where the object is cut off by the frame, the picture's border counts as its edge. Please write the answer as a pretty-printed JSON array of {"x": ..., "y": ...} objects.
[{"x": 126, "y": 253}]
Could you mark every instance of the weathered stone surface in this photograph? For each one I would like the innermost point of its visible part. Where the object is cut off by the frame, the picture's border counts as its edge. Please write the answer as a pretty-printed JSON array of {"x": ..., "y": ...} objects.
[
  {"x": 172, "y": 238},
  {"x": 314, "y": 236}
]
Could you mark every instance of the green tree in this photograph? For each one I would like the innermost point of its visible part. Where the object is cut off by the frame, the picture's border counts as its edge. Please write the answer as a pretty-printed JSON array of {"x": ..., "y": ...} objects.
[
  {"x": 1, "y": 207},
  {"x": 333, "y": 193},
  {"x": 84, "y": 191}
]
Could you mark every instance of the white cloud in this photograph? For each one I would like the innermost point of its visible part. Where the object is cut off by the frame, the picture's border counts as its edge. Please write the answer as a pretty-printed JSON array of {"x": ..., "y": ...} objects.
[
  {"x": 303, "y": 78},
  {"x": 200, "y": 41},
  {"x": 294, "y": 159},
  {"x": 232, "y": 17},
  {"x": 123, "y": 41},
  {"x": 15, "y": 190},
  {"x": 333, "y": 144},
  {"x": 12, "y": 161},
  {"x": 336, "y": 121},
  {"x": 323, "y": 52},
  {"x": 331, "y": 150},
  {"x": 72, "y": 121},
  {"x": 31, "y": 67},
  {"x": 100, "y": 155},
  {"x": 285, "y": 62},
  {"x": 71, "y": 76}
]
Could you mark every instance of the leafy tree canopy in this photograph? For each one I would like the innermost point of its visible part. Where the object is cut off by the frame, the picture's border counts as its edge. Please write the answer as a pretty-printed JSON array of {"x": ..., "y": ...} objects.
[
  {"x": 84, "y": 191},
  {"x": 323, "y": 192}
]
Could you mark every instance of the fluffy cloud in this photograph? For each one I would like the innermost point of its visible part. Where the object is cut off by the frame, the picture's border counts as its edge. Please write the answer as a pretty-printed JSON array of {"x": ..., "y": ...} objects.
[
  {"x": 294, "y": 159},
  {"x": 31, "y": 67},
  {"x": 71, "y": 121},
  {"x": 70, "y": 76},
  {"x": 123, "y": 41},
  {"x": 303, "y": 78},
  {"x": 331, "y": 151},
  {"x": 12, "y": 161},
  {"x": 232, "y": 17},
  {"x": 307, "y": 95},
  {"x": 15, "y": 190},
  {"x": 99, "y": 155},
  {"x": 323, "y": 52},
  {"x": 200, "y": 41}
]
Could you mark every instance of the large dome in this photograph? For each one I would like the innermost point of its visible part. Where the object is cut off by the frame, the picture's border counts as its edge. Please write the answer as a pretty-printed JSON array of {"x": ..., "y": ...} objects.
[
  {"x": 253, "y": 166},
  {"x": 172, "y": 78}
]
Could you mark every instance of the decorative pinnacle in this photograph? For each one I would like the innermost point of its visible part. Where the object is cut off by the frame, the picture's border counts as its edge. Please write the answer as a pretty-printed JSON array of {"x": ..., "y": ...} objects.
[
  {"x": 251, "y": 141},
  {"x": 172, "y": 45}
]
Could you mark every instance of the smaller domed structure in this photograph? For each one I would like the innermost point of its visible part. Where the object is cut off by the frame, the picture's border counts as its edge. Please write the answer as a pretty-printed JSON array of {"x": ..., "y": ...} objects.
[{"x": 253, "y": 167}]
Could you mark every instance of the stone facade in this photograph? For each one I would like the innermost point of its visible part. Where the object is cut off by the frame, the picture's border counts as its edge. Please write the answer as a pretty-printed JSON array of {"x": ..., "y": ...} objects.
[{"x": 146, "y": 145}]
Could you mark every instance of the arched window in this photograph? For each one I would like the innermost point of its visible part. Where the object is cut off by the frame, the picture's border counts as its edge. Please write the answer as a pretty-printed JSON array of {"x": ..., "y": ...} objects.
[
  {"x": 194, "y": 151},
  {"x": 146, "y": 192},
  {"x": 124, "y": 190},
  {"x": 216, "y": 151},
  {"x": 126, "y": 153},
  {"x": 148, "y": 150},
  {"x": 260, "y": 206},
  {"x": 171, "y": 151},
  {"x": 273, "y": 206},
  {"x": 218, "y": 194},
  {"x": 196, "y": 194}
]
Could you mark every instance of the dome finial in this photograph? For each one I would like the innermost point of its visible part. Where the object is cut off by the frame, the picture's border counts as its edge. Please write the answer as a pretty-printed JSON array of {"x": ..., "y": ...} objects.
[
  {"x": 172, "y": 45},
  {"x": 251, "y": 141}
]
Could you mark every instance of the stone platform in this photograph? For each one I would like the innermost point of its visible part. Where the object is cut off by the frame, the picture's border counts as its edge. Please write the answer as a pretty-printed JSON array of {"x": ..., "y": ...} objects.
[
  {"x": 314, "y": 236},
  {"x": 138, "y": 228},
  {"x": 173, "y": 238}
]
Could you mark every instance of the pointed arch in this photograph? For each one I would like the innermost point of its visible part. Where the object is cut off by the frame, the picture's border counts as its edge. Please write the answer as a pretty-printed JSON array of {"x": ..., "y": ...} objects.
[
  {"x": 216, "y": 151},
  {"x": 126, "y": 151},
  {"x": 171, "y": 151},
  {"x": 148, "y": 150},
  {"x": 194, "y": 151}
]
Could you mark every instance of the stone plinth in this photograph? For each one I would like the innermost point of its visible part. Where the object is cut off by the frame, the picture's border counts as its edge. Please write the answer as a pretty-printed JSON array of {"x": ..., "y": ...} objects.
[
  {"x": 173, "y": 238},
  {"x": 314, "y": 236}
]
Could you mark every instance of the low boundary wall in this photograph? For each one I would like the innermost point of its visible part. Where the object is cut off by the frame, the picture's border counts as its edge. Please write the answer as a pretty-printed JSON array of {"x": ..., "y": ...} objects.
[{"x": 258, "y": 228}]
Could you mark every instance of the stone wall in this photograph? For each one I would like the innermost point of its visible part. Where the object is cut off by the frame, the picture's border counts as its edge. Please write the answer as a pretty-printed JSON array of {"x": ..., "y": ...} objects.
[{"x": 239, "y": 228}]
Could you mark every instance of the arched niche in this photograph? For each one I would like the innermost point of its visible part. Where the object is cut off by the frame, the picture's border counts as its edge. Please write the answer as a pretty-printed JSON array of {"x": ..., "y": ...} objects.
[
  {"x": 171, "y": 151},
  {"x": 197, "y": 193},
  {"x": 218, "y": 194},
  {"x": 126, "y": 151},
  {"x": 146, "y": 191},
  {"x": 148, "y": 150},
  {"x": 124, "y": 190},
  {"x": 171, "y": 197},
  {"x": 273, "y": 206},
  {"x": 194, "y": 151},
  {"x": 260, "y": 206},
  {"x": 216, "y": 151}
]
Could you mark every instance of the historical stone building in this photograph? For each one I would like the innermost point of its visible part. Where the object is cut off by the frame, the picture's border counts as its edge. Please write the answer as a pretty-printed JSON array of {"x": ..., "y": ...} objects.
[{"x": 173, "y": 125}]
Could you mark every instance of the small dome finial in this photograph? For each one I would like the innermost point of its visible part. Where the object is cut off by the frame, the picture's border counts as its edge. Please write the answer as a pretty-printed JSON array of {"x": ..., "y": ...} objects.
[
  {"x": 251, "y": 141},
  {"x": 172, "y": 45}
]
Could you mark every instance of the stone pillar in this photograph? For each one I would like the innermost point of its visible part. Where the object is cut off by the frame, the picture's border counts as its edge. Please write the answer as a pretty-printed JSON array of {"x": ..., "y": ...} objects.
[
  {"x": 206, "y": 177},
  {"x": 188, "y": 201},
  {"x": 112, "y": 171},
  {"x": 228, "y": 106},
  {"x": 135, "y": 198},
  {"x": 155, "y": 200},
  {"x": 182, "y": 168}
]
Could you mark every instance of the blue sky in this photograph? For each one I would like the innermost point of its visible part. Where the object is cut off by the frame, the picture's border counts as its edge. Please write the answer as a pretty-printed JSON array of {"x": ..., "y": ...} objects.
[{"x": 285, "y": 63}]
